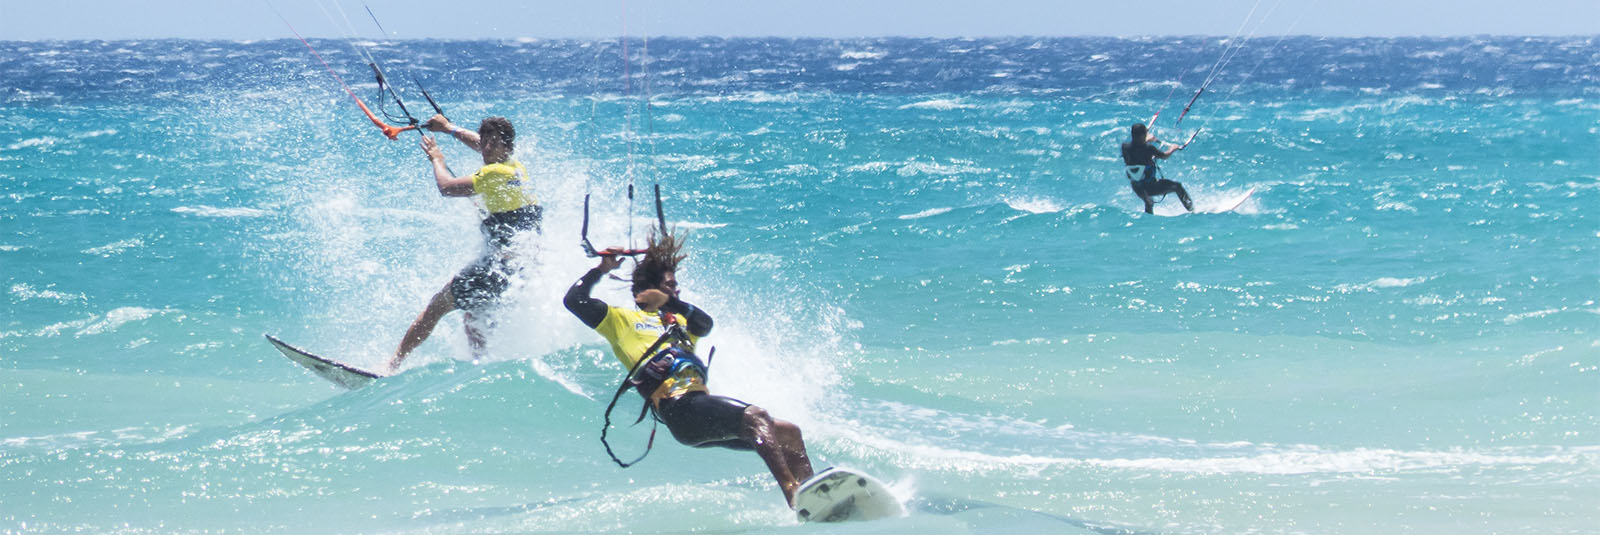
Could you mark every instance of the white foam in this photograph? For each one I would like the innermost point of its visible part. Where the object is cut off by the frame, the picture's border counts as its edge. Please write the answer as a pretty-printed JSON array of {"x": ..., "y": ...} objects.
[
  {"x": 1236, "y": 457},
  {"x": 1396, "y": 206},
  {"x": 757, "y": 262},
  {"x": 544, "y": 370},
  {"x": 800, "y": 169},
  {"x": 1033, "y": 205},
  {"x": 926, "y": 213},
  {"x": 690, "y": 225},
  {"x": 120, "y": 437},
  {"x": 1380, "y": 282},
  {"x": 689, "y": 163},
  {"x": 754, "y": 97},
  {"x": 26, "y": 292},
  {"x": 862, "y": 54},
  {"x": 1314, "y": 460},
  {"x": 34, "y": 142},
  {"x": 117, "y": 318},
  {"x": 1528, "y": 359},
  {"x": 97, "y": 133},
  {"x": 115, "y": 247},
  {"x": 1513, "y": 318},
  {"x": 212, "y": 211},
  {"x": 941, "y": 104},
  {"x": 1087, "y": 125},
  {"x": 869, "y": 167},
  {"x": 1387, "y": 106},
  {"x": 955, "y": 167}
]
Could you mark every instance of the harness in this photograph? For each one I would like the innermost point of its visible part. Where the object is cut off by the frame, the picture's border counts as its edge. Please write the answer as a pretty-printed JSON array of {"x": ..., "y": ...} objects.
[
  {"x": 647, "y": 376},
  {"x": 1135, "y": 175}
]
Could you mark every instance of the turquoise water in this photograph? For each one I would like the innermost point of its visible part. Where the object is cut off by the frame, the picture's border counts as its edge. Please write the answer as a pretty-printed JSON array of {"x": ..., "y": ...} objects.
[{"x": 922, "y": 251}]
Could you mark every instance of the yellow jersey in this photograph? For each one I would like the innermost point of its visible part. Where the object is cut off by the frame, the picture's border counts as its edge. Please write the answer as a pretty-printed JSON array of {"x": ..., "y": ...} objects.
[
  {"x": 631, "y": 332},
  {"x": 501, "y": 185}
]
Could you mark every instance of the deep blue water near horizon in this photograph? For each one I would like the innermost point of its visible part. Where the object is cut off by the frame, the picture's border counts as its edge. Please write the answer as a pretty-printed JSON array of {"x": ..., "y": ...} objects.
[{"x": 920, "y": 250}]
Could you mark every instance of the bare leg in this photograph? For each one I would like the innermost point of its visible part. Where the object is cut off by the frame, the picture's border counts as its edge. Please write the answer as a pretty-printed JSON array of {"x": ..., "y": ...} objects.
[
  {"x": 475, "y": 336},
  {"x": 442, "y": 303},
  {"x": 794, "y": 448},
  {"x": 779, "y": 444}
]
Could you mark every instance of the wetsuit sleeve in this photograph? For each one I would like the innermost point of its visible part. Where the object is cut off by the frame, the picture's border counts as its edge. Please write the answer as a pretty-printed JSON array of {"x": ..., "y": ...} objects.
[
  {"x": 699, "y": 321},
  {"x": 588, "y": 309}
]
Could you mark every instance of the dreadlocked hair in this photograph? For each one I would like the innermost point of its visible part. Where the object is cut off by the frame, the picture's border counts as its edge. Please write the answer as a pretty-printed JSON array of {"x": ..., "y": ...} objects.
[{"x": 662, "y": 255}]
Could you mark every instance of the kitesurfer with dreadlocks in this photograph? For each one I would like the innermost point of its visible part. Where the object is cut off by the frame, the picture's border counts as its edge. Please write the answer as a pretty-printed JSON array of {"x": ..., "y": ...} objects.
[
  {"x": 511, "y": 210},
  {"x": 1139, "y": 154},
  {"x": 662, "y": 332}
]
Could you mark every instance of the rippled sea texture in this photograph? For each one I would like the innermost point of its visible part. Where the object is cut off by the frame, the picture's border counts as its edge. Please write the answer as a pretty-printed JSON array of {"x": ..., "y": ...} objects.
[{"x": 922, "y": 251}]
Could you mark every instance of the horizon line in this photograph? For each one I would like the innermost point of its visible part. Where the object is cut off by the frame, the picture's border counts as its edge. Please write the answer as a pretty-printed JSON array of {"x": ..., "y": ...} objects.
[{"x": 817, "y": 37}]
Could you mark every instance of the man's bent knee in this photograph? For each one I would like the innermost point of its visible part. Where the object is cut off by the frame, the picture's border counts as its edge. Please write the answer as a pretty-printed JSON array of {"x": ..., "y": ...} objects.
[{"x": 754, "y": 415}]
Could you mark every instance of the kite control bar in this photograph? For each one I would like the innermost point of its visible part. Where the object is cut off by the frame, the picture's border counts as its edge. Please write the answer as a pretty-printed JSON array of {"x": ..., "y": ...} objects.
[{"x": 588, "y": 248}]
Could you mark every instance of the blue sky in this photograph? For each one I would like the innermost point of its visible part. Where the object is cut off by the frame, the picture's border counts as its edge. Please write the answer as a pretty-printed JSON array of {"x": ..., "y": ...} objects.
[{"x": 477, "y": 19}]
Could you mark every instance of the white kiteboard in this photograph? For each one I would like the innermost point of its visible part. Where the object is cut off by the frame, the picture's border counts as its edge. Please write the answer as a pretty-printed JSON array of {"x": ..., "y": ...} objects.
[
  {"x": 841, "y": 494},
  {"x": 341, "y": 374},
  {"x": 1207, "y": 207},
  {"x": 1234, "y": 204}
]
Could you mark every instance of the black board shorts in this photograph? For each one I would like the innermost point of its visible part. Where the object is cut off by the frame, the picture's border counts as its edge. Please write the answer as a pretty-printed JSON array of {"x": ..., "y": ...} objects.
[
  {"x": 499, "y": 228},
  {"x": 1152, "y": 187},
  {"x": 703, "y": 420},
  {"x": 479, "y": 285}
]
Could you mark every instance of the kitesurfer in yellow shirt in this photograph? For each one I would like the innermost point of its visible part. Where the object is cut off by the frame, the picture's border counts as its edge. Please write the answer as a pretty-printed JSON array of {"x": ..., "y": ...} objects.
[
  {"x": 501, "y": 183},
  {"x": 661, "y": 330}
]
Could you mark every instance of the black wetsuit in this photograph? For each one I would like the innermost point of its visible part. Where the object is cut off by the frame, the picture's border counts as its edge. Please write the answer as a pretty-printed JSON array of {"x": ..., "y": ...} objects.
[
  {"x": 1137, "y": 153},
  {"x": 696, "y": 418}
]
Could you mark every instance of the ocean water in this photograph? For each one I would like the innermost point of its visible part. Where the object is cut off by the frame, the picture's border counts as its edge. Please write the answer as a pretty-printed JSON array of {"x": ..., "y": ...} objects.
[{"x": 922, "y": 251}]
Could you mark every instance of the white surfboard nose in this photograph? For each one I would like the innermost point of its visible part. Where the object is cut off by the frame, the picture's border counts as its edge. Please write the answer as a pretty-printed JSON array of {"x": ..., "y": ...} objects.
[{"x": 841, "y": 494}]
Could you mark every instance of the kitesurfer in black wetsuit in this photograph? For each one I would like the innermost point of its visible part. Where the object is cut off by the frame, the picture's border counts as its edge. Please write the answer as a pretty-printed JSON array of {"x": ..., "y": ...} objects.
[{"x": 1141, "y": 151}]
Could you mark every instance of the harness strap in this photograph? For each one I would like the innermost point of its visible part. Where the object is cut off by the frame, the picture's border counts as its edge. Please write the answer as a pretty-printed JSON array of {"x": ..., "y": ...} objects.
[
  {"x": 651, "y": 443},
  {"x": 628, "y": 382}
]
